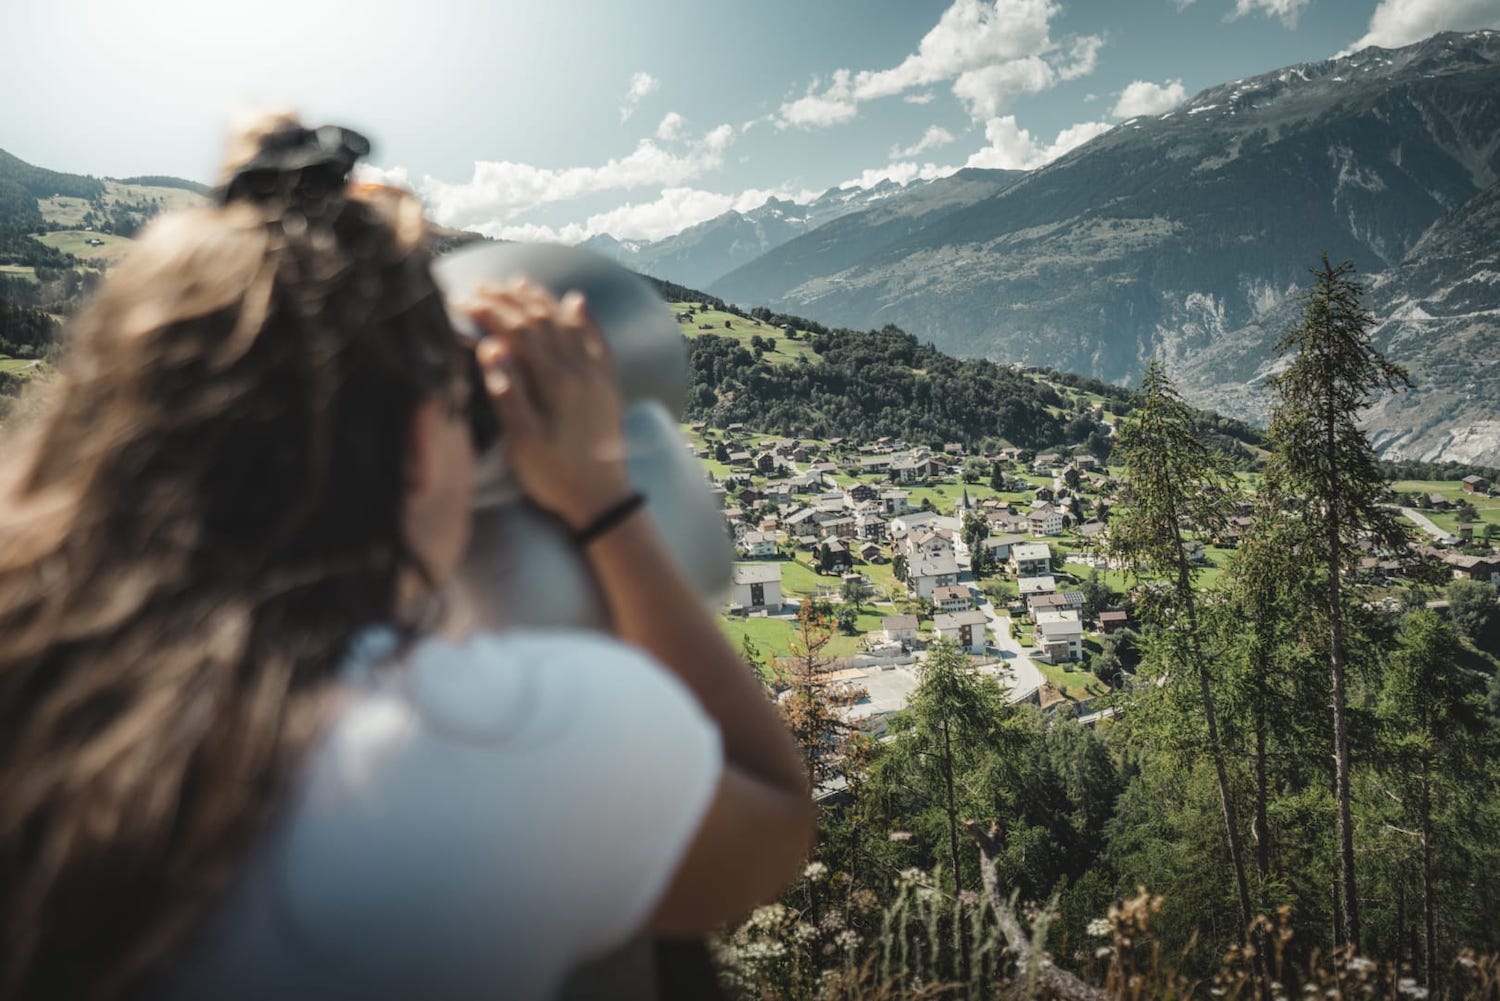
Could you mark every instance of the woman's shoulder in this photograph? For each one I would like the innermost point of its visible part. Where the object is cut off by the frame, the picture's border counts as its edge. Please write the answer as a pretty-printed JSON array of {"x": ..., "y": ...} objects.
[
  {"x": 493, "y": 808},
  {"x": 574, "y": 673}
]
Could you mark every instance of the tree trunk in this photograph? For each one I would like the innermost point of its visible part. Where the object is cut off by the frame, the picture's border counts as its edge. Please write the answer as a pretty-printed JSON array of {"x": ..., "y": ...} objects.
[
  {"x": 1429, "y": 919},
  {"x": 1260, "y": 827},
  {"x": 960, "y": 936},
  {"x": 1349, "y": 889},
  {"x": 1216, "y": 751}
]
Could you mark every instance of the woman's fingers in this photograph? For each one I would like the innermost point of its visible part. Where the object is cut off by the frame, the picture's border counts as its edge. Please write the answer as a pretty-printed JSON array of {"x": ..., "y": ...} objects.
[{"x": 509, "y": 392}]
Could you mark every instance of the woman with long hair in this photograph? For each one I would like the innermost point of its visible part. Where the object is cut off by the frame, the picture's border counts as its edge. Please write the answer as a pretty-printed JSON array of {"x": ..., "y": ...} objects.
[{"x": 239, "y": 759}]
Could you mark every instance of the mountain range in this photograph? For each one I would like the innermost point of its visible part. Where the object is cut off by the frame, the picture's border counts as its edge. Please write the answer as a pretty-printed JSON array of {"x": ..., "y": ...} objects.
[{"x": 1188, "y": 235}]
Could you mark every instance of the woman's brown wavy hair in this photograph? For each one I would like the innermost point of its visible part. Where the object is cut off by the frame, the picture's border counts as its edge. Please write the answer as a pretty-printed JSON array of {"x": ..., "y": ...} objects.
[{"x": 204, "y": 508}]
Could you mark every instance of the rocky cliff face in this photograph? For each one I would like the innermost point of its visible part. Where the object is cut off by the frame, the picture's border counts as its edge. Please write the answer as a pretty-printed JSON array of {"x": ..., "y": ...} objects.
[{"x": 1188, "y": 235}]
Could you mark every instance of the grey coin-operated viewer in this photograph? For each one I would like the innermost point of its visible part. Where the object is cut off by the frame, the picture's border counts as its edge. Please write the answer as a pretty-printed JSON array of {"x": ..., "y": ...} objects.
[{"x": 522, "y": 569}]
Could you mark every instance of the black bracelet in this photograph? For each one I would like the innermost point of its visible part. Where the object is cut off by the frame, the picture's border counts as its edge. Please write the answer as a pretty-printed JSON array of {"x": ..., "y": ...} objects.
[{"x": 609, "y": 519}]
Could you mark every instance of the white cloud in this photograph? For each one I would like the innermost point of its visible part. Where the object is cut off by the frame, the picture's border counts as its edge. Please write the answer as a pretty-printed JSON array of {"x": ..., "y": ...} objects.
[
  {"x": 993, "y": 50},
  {"x": 1084, "y": 56},
  {"x": 934, "y": 137},
  {"x": 396, "y": 177},
  {"x": 1401, "y": 22},
  {"x": 499, "y": 191},
  {"x": 920, "y": 97},
  {"x": 1014, "y": 148},
  {"x": 833, "y": 106},
  {"x": 987, "y": 91},
  {"x": 641, "y": 84},
  {"x": 901, "y": 173},
  {"x": 1142, "y": 97},
  {"x": 670, "y": 127},
  {"x": 1288, "y": 10},
  {"x": 673, "y": 211}
]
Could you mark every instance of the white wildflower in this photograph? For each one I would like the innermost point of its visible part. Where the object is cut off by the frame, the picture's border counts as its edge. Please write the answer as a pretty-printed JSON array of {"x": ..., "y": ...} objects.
[
  {"x": 1362, "y": 964},
  {"x": 1100, "y": 928},
  {"x": 1407, "y": 987},
  {"x": 815, "y": 871}
]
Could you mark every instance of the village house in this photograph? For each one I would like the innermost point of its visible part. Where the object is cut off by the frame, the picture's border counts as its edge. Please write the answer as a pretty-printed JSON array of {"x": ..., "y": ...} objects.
[
  {"x": 1046, "y": 520},
  {"x": 1113, "y": 620},
  {"x": 740, "y": 458},
  {"x": 1053, "y": 602},
  {"x": 1485, "y": 568},
  {"x": 871, "y": 552},
  {"x": 1030, "y": 560},
  {"x": 840, "y": 522},
  {"x": 874, "y": 463},
  {"x": 928, "y": 545},
  {"x": 899, "y": 628},
  {"x": 895, "y": 502},
  {"x": 756, "y": 585},
  {"x": 1059, "y": 635},
  {"x": 925, "y": 576},
  {"x": 1040, "y": 584},
  {"x": 799, "y": 519},
  {"x": 953, "y": 598},
  {"x": 858, "y": 494},
  {"x": 903, "y": 525},
  {"x": 967, "y": 629},
  {"x": 838, "y": 552},
  {"x": 758, "y": 545},
  {"x": 999, "y": 546},
  {"x": 1476, "y": 485},
  {"x": 870, "y": 526}
]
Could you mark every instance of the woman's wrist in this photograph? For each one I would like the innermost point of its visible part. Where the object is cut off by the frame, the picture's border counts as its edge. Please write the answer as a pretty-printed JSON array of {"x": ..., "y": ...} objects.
[{"x": 584, "y": 508}]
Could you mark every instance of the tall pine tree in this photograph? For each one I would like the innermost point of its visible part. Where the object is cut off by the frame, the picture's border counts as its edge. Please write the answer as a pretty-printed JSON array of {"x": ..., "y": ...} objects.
[
  {"x": 1322, "y": 457},
  {"x": 1175, "y": 482}
]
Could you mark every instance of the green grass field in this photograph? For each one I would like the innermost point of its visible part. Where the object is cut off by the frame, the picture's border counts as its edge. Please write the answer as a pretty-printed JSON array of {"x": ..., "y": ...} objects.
[
  {"x": 19, "y": 366},
  {"x": 1488, "y": 508},
  {"x": 1075, "y": 684},
  {"x": 75, "y": 242},
  {"x": 22, "y": 271},
  {"x": 742, "y": 329}
]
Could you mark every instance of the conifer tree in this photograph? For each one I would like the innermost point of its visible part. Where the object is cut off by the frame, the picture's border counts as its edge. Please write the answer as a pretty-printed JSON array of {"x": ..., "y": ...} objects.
[
  {"x": 1321, "y": 456},
  {"x": 1174, "y": 480},
  {"x": 814, "y": 704},
  {"x": 949, "y": 750},
  {"x": 1434, "y": 723}
]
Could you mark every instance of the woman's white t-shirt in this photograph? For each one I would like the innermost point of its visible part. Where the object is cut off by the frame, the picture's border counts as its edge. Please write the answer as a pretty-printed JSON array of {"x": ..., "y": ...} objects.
[{"x": 480, "y": 818}]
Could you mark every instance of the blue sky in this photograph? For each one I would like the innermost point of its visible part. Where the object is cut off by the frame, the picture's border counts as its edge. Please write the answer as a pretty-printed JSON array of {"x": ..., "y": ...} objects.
[{"x": 565, "y": 118}]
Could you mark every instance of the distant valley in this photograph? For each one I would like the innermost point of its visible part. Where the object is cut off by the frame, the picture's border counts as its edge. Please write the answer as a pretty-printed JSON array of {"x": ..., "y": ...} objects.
[{"x": 1187, "y": 235}]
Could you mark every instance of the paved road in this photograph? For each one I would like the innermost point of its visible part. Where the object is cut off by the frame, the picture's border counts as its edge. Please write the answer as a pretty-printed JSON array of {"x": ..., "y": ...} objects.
[
  {"x": 1027, "y": 678},
  {"x": 1426, "y": 524}
]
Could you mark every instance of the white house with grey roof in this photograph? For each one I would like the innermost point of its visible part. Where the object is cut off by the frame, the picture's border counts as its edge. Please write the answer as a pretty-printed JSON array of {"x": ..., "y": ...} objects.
[
  {"x": 923, "y": 577},
  {"x": 1031, "y": 560},
  {"x": 967, "y": 629},
  {"x": 756, "y": 585}
]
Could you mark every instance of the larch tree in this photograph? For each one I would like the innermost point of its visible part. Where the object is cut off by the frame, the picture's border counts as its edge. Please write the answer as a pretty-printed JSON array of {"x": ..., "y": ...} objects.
[
  {"x": 951, "y": 756},
  {"x": 1174, "y": 482},
  {"x": 1321, "y": 457},
  {"x": 814, "y": 704},
  {"x": 1433, "y": 718}
]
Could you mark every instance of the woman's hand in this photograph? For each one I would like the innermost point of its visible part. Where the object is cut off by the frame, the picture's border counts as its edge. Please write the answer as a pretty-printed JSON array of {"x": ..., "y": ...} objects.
[{"x": 552, "y": 380}]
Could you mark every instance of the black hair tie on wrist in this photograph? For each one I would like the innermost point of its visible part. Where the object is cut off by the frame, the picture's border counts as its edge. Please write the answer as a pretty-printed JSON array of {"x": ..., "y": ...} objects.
[{"x": 611, "y": 517}]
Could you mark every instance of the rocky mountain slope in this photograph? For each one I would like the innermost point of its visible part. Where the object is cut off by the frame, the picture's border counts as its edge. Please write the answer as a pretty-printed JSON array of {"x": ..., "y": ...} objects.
[{"x": 1188, "y": 235}]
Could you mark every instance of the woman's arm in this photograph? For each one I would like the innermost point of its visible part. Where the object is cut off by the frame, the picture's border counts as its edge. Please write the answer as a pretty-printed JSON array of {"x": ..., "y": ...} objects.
[{"x": 552, "y": 380}]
